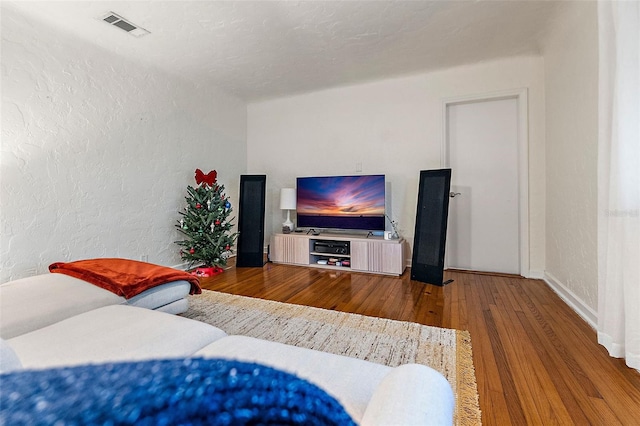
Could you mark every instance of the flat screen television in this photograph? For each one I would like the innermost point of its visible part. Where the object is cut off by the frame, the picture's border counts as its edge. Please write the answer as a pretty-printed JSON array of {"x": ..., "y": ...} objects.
[{"x": 341, "y": 202}]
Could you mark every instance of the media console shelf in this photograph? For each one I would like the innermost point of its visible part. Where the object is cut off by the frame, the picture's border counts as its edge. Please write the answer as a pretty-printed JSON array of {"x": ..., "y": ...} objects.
[{"x": 351, "y": 252}]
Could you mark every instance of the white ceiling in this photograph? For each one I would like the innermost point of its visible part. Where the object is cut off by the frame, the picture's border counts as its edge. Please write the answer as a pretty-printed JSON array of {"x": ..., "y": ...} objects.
[{"x": 266, "y": 49}]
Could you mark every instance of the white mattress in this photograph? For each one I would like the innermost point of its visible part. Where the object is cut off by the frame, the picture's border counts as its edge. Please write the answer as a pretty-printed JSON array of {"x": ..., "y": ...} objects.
[
  {"x": 351, "y": 381},
  {"x": 113, "y": 333},
  {"x": 31, "y": 303},
  {"x": 35, "y": 302}
]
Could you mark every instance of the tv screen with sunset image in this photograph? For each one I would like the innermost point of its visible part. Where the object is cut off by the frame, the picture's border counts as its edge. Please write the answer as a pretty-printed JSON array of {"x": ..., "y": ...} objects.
[{"x": 341, "y": 202}]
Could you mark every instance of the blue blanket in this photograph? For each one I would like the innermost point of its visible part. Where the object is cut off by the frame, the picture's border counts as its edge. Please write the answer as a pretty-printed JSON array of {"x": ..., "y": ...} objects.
[{"x": 169, "y": 392}]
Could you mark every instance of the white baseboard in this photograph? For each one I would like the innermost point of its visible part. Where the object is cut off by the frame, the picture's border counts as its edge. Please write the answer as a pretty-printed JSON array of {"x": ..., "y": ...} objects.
[
  {"x": 536, "y": 275},
  {"x": 185, "y": 265},
  {"x": 181, "y": 266},
  {"x": 570, "y": 298}
]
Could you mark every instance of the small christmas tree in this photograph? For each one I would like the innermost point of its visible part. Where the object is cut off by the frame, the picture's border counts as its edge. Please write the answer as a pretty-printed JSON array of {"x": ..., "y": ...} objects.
[{"x": 206, "y": 225}]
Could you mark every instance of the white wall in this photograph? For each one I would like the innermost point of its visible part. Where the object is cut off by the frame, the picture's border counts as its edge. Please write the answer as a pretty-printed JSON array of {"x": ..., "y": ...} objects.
[
  {"x": 571, "y": 86},
  {"x": 97, "y": 152},
  {"x": 391, "y": 126}
]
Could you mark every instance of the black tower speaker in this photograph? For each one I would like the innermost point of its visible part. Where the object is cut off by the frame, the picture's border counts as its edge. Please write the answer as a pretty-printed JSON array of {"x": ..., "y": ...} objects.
[
  {"x": 427, "y": 263},
  {"x": 251, "y": 221}
]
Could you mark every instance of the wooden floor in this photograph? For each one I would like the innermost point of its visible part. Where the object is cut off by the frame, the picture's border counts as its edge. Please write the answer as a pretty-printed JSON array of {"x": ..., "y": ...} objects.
[{"x": 536, "y": 361}]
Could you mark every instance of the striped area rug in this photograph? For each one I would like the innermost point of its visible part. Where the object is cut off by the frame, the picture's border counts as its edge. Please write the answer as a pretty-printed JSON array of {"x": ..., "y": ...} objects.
[{"x": 380, "y": 340}]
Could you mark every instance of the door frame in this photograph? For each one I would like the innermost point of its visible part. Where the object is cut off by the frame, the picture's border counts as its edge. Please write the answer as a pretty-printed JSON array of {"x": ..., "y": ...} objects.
[{"x": 521, "y": 96}]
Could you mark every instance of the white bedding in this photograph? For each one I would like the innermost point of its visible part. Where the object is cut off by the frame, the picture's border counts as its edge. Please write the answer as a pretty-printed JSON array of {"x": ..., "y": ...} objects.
[{"x": 35, "y": 302}]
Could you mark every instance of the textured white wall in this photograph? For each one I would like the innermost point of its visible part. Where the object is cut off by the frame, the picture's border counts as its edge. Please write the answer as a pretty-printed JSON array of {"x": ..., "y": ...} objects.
[
  {"x": 391, "y": 126},
  {"x": 571, "y": 76},
  {"x": 97, "y": 151}
]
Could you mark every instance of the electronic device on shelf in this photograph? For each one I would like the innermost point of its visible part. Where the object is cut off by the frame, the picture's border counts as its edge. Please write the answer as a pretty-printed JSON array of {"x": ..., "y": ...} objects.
[
  {"x": 331, "y": 247},
  {"x": 341, "y": 202}
]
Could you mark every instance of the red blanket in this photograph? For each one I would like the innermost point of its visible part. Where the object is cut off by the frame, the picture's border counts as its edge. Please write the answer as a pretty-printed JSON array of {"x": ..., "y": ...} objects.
[{"x": 124, "y": 277}]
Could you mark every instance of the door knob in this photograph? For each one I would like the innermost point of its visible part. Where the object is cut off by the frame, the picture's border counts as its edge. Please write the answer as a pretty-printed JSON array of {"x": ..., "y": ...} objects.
[{"x": 453, "y": 194}]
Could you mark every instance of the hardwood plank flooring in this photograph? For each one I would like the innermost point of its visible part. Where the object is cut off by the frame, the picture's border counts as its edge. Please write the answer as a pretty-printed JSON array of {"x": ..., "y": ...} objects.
[{"x": 537, "y": 362}]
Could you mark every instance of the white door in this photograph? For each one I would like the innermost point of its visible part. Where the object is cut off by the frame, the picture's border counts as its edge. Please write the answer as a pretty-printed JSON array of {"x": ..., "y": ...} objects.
[{"x": 483, "y": 230}]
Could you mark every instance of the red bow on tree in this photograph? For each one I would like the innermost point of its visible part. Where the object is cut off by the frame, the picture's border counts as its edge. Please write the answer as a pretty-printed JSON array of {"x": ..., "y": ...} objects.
[{"x": 208, "y": 179}]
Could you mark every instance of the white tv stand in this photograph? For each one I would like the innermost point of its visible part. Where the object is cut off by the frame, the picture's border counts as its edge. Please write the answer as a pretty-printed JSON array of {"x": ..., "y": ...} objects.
[{"x": 371, "y": 254}]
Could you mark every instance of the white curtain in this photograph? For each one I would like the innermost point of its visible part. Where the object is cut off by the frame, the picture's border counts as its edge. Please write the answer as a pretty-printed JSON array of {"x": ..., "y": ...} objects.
[{"x": 619, "y": 180}]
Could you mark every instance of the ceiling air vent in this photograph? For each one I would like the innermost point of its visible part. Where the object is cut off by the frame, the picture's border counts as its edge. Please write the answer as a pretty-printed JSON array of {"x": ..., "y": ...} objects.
[{"x": 118, "y": 21}]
